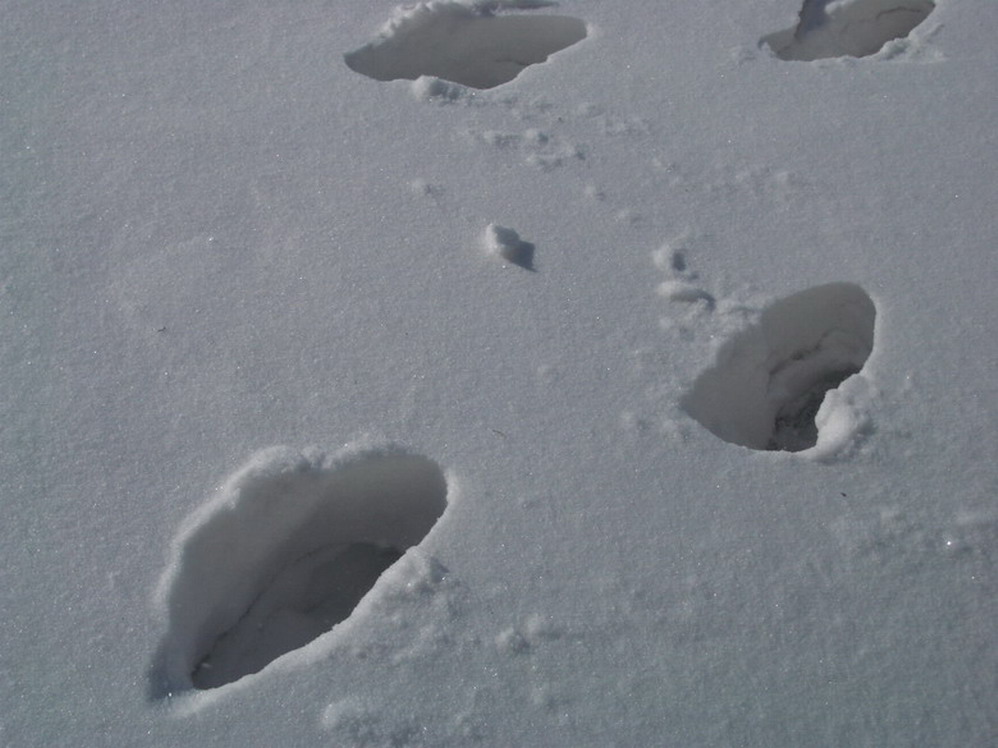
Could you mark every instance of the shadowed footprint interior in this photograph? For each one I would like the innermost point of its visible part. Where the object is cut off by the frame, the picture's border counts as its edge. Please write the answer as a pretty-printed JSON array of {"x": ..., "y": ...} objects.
[{"x": 304, "y": 601}]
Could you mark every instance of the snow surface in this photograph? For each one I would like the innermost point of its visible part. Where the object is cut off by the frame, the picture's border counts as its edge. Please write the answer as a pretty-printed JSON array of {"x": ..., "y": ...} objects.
[{"x": 272, "y": 322}]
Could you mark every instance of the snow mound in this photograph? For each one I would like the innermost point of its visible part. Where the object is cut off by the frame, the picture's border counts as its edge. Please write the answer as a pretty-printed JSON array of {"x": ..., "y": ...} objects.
[
  {"x": 507, "y": 244},
  {"x": 768, "y": 387},
  {"x": 466, "y": 44},
  {"x": 283, "y": 553},
  {"x": 853, "y": 28}
]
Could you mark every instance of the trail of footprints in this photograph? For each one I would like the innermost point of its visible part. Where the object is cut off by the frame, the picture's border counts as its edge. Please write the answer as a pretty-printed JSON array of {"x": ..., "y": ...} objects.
[
  {"x": 292, "y": 543},
  {"x": 477, "y": 46}
]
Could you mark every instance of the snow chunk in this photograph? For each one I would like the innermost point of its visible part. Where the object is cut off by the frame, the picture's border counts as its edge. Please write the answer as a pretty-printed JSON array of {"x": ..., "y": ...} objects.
[
  {"x": 853, "y": 28},
  {"x": 428, "y": 88},
  {"x": 466, "y": 44},
  {"x": 766, "y": 390},
  {"x": 506, "y": 243},
  {"x": 284, "y": 552},
  {"x": 521, "y": 639}
]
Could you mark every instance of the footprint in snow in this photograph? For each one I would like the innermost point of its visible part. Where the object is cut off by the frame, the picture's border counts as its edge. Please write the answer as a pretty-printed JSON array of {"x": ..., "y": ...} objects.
[
  {"x": 466, "y": 44},
  {"x": 283, "y": 553},
  {"x": 848, "y": 28},
  {"x": 770, "y": 383}
]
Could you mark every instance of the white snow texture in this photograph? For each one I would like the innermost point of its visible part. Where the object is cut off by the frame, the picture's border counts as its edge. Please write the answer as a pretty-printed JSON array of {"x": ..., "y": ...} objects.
[{"x": 635, "y": 364}]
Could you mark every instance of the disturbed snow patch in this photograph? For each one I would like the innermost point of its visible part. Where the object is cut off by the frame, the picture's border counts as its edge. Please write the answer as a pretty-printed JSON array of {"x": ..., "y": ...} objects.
[
  {"x": 847, "y": 28},
  {"x": 774, "y": 385},
  {"x": 355, "y": 723},
  {"x": 285, "y": 551},
  {"x": 466, "y": 44}
]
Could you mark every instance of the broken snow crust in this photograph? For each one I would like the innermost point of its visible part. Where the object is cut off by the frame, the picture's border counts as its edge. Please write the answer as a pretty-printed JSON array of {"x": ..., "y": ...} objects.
[{"x": 216, "y": 238}]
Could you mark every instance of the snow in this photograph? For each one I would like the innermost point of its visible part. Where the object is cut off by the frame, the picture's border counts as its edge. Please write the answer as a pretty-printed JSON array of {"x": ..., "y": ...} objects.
[{"x": 274, "y": 364}]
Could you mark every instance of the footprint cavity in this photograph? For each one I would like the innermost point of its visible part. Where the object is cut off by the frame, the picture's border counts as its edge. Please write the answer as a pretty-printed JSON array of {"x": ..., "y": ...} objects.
[
  {"x": 770, "y": 381},
  {"x": 285, "y": 552},
  {"x": 467, "y": 44},
  {"x": 847, "y": 28}
]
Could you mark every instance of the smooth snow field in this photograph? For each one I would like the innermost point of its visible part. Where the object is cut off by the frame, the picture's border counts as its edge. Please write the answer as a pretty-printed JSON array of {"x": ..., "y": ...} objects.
[{"x": 497, "y": 373}]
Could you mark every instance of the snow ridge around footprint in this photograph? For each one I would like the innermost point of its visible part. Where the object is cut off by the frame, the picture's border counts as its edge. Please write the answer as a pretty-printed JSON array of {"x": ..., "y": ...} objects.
[
  {"x": 847, "y": 28},
  {"x": 469, "y": 44},
  {"x": 284, "y": 552},
  {"x": 788, "y": 382}
]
